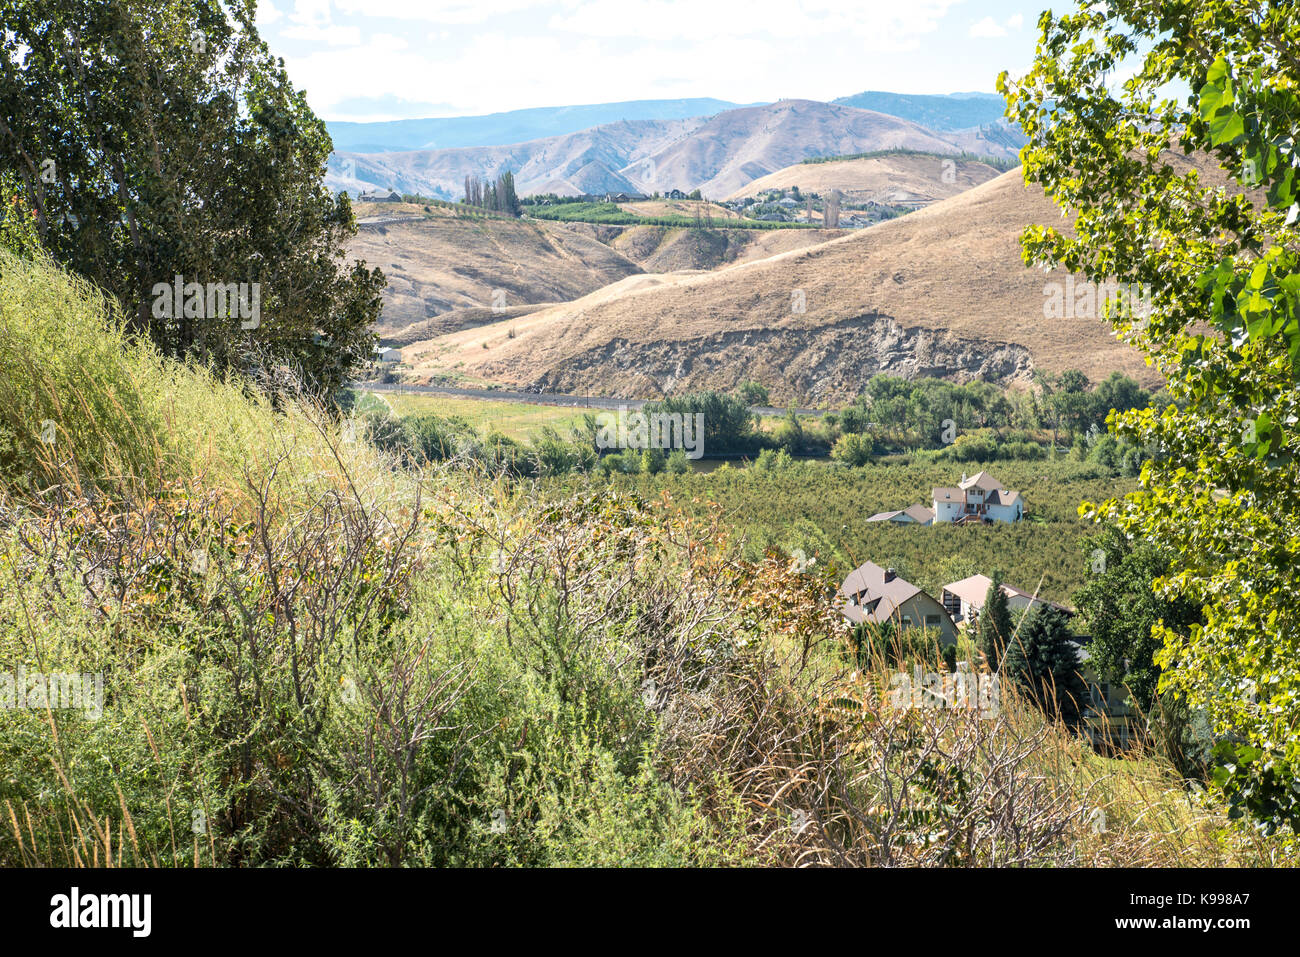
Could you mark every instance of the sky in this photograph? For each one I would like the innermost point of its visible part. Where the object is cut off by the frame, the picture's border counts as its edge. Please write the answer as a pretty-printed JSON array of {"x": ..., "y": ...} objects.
[{"x": 394, "y": 59}]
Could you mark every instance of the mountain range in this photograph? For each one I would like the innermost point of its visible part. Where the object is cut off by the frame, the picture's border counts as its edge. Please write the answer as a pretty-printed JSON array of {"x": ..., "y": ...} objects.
[
  {"x": 955, "y": 111},
  {"x": 716, "y": 154}
]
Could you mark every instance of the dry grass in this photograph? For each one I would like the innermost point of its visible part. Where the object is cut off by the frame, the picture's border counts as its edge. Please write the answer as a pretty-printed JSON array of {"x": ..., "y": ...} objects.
[{"x": 877, "y": 179}]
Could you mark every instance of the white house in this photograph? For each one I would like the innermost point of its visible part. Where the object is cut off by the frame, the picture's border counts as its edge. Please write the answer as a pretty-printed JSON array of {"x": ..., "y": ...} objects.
[
  {"x": 387, "y": 355},
  {"x": 979, "y": 498}
]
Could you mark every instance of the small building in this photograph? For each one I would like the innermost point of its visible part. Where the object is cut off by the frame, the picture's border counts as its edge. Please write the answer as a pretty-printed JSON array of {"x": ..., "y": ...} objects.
[
  {"x": 912, "y": 515},
  {"x": 965, "y": 599},
  {"x": 380, "y": 196},
  {"x": 387, "y": 355},
  {"x": 979, "y": 498},
  {"x": 876, "y": 595}
]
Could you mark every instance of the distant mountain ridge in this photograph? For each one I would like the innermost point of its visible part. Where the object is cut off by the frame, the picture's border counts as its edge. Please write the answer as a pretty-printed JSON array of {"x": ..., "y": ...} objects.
[
  {"x": 513, "y": 126},
  {"x": 942, "y": 113},
  {"x": 717, "y": 154}
]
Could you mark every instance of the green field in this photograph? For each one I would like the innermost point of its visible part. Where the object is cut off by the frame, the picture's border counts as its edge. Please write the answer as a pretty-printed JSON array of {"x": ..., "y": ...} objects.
[
  {"x": 823, "y": 509},
  {"x": 518, "y": 420}
]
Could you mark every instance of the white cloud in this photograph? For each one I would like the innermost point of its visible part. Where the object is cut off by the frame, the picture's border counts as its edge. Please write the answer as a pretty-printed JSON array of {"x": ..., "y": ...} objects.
[
  {"x": 329, "y": 34},
  {"x": 267, "y": 14},
  {"x": 446, "y": 11},
  {"x": 988, "y": 27},
  {"x": 492, "y": 55},
  {"x": 1016, "y": 21}
]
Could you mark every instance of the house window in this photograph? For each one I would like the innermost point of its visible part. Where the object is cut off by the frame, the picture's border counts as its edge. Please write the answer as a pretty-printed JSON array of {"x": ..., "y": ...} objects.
[
  {"x": 907, "y": 621},
  {"x": 932, "y": 621}
]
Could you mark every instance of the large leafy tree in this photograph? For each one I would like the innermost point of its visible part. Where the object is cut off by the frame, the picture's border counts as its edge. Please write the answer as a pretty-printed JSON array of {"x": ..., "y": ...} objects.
[
  {"x": 157, "y": 138},
  {"x": 1186, "y": 178},
  {"x": 1122, "y": 611}
]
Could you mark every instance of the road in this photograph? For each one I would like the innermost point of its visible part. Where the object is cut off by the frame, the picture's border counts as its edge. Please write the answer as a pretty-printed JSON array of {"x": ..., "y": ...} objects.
[{"x": 538, "y": 398}]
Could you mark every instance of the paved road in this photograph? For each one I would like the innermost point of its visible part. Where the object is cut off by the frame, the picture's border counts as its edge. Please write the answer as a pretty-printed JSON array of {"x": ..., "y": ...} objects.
[{"x": 539, "y": 398}]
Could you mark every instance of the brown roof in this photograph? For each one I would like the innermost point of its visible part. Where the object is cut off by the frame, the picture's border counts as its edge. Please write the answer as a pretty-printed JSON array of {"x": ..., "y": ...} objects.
[
  {"x": 1001, "y": 497},
  {"x": 920, "y": 513},
  {"x": 917, "y": 513},
  {"x": 872, "y": 598},
  {"x": 948, "y": 495},
  {"x": 981, "y": 480}
]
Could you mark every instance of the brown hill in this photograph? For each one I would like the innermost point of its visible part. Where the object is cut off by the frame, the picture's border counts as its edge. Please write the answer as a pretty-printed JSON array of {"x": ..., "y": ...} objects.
[
  {"x": 440, "y": 261},
  {"x": 437, "y": 263},
  {"x": 941, "y": 291},
  {"x": 916, "y": 178}
]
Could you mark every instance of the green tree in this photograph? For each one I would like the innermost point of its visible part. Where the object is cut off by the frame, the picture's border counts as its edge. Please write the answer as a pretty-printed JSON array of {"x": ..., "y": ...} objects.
[
  {"x": 1223, "y": 328},
  {"x": 160, "y": 138},
  {"x": 994, "y": 625},
  {"x": 754, "y": 393},
  {"x": 854, "y": 449},
  {"x": 1122, "y": 611},
  {"x": 1043, "y": 659}
]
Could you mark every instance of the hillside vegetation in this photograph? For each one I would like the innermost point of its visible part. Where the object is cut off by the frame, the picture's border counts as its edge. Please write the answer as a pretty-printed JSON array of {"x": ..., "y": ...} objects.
[{"x": 310, "y": 656}]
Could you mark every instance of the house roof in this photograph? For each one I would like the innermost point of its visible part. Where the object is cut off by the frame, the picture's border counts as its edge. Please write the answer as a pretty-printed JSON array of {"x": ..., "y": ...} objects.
[
  {"x": 996, "y": 494},
  {"x": 920, "y": 513},
  {"x": 975, "y": 589},
  {"x": 875, "y": 599},
  {"x": 972, "y": 590},
  {"x": 981, "y": 480},
  {"x": 917, "y": 513}
]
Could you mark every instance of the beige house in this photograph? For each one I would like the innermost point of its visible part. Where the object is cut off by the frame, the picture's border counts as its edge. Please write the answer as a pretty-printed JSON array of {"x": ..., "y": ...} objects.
[
  {"x": 877, "y": 595},
  {"x": 964, "y": 599}
]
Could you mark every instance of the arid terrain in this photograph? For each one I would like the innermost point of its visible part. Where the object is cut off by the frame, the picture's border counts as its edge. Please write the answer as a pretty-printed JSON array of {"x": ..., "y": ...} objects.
[
  {"x": 941, "y": 291},
  {"x": 895, "y": 178}
]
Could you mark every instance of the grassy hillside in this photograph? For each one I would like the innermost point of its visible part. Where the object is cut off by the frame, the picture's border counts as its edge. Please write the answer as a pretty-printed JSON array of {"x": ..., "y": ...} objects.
[{"x": 311, "y": 656}]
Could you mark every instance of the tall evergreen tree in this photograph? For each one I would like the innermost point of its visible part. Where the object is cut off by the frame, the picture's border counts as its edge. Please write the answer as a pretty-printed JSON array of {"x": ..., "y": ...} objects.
[
  {"x": 1042, "y": 659},
  {"x": 994, "y": 629}
]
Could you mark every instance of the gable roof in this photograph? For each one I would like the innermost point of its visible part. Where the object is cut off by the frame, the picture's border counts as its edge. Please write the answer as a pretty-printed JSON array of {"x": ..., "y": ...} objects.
[
  {"x": 872, "y": 598},
  {"x": 917, "y": 513},
  {"x": 920, "y": 513},
  {"x": 981, "y": 480},
  {"x": 975, "y": 589}
]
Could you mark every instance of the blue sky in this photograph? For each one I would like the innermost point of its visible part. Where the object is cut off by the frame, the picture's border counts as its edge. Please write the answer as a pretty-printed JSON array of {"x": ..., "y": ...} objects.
[{"x": 392, "y": 59}]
